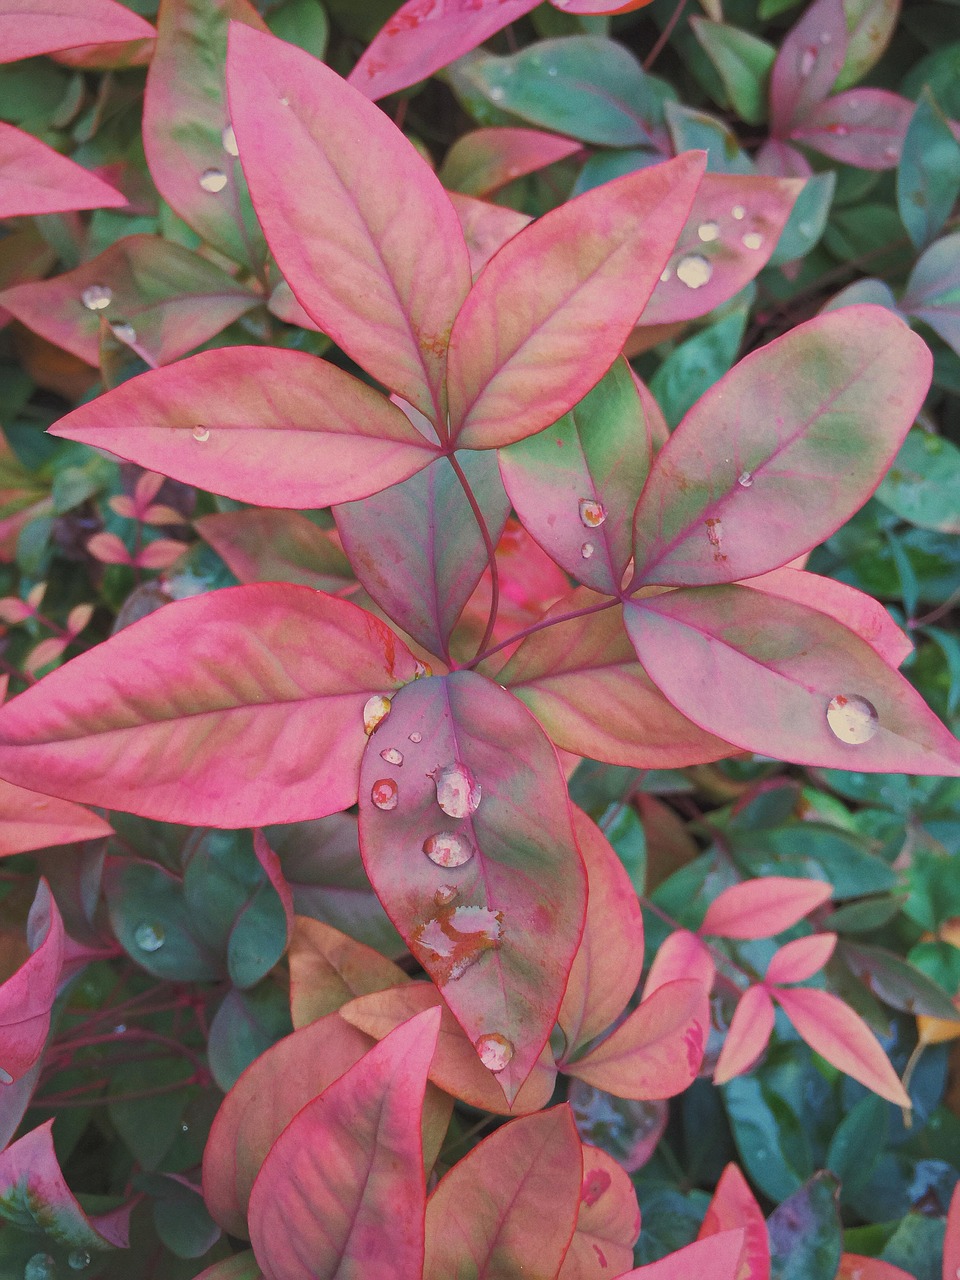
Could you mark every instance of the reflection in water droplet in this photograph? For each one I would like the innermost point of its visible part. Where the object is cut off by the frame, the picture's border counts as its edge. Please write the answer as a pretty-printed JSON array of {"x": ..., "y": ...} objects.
[
  {"x": 852, "y": 719},
  {"x": 592, "y": 514},
  {"x": 445, "y": 895},
  {"x": 587, "y": 550},
  {"x": 40, "y": 1267},
  {"x": 213, "y": 180},
  {"x": 891, "y": 153},
  {"x": 5, "y": 1076},
  {"x": 229, "y": 140},
  {"x": 124, "y": 332},
  {"x": 96, "y": 297},
  {"x": 665, "y": 274},
  {"x": 738, "y": 212},
  {"x": 149, "y": 937},
  {"x": 694, "y": 270},
  {"x": 497, "y": 94},
  {"x": 495, "y": 1051},
  {"x": 78, "y": 1259},
  {"x": 458, "y": 792},
  {"x": 201, "y": 433},
  {"x": 752, "y": 240},
  {"x": 745, "y": 479},
  {"x": 421, "y": 669},
  {"x": 708, "y": 231},
  {"x": 392, "y": 756},
  {"x": 384, "y": 793},
  {"x": 808, "y": 61},
  {"x": 375, "y": 711},
  {"x": 552, "y": 71},
  {"x": 448, "y": 945},
  {"x": 448, "y": 849},
  {"x": 416, "y": 737}
]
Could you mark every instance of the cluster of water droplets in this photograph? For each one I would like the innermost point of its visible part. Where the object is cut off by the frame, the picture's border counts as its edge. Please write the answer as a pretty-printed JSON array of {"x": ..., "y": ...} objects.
[{"x": 694, "y": 269}]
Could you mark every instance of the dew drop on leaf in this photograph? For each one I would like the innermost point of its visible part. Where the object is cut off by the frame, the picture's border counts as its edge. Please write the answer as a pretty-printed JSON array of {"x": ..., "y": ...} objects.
[
  {"x": 448, "y": 849},
  {"x": 149, "y": 937},
  {"x": 808, "y": 61},
  {"x": 375, "y": 711},
  {"x": 852, "y": 719},
  {"x": 5, "y": 1076},
  {"x": 592, "y": 514},
  {"x": 891, "y": 153},
  {"x": 124, "y": 332},
  {"x": 445, "y": 895},
  {"x": 416, "y": 737},
  {"x": 40, "y": 1267},
  {"x": 78, "y": 1259},
  {"x": 708, "y": 231},
  {"x": 421, "y": 669},
  {"x": 587, "y": 550},
  {"x": 385, "y": 794},
  {"x": 738, "y": 212},
  {"x": 495, "y": 1051},
  {"x": 458, "y": 792},
  {"x": 96, "y": 297},
  {"x": 229, "y": 140},
  {"x": 745, "y": 479},
  {"x": 213, "y": 180},
  {"x": 752, "y": 240},
  {"x": 392, "y": 756},
  {"x": 497, "y": 94},
  {"x": 455, "y": 939},
  {"x": 695, "y": 271},
  {"x": 665, "y": 274},
  {"x": 201, "y": 433}
]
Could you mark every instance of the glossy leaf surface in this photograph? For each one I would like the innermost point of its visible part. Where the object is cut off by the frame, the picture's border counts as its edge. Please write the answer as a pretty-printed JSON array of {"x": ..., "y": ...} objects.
[
  {"x": 761, "y": 908},
  {"x": 809, "y": 61},
  {"x": 863, "y": 127},
  {"x": 36, "y": 179},
  {"x": 681, "y": 955}
]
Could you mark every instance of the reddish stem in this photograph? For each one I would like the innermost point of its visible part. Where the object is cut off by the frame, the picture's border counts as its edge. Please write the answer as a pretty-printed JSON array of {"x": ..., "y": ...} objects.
[
  {"x": 541, "y": 626},
  {"x": 491, "y": 558},
  {"x": 665, "y": 35}
]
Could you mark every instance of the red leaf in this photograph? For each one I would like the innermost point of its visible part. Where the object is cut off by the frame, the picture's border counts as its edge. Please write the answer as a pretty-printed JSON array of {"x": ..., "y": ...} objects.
[
  {"x": 277, "y": 546},
  {"x": 486, "y": 228},
  {"x": 717, "y": 1257},
  {"x": 36, "y": 179},
  {"x": 827, "y": 405},
  {"x": 149, "y": 715},
  {"x": 342, "y": 1190},
  {"x": 466, "y": 835},
  {"x": 425, "y": 35},
  {"x": 108, "y": 548},
  {"x": 159, "y": 554},
  {"x": 747, "y": 1036},
  {"x": 862, "y": 127},
  {"x": 573, "y": 310},
  {"x": 509, "y": 1207},
  {"x": 656, "y": 1053},
  {"x": 854, "y": 1266},
  {"x": 951, "y": 1243},
  {"x": 482, "y": 161},
  {"x": 834, "y": 1031},
  {"x": 27, "y": 997},
  {"x": 681, "y": 956},
  {"x": 810, "y": 59},
  {"x": 609, "y": 961},
  {"x": 277, "y": 428},
  {"x": 608, "y": 1222},
  {"x": 734, "y": 1205},
  {"x": 719, "y": 653},
  {"x": 365, "y": 234},
  {"x": 599, "y": 6},
  {"x": 29, "y": 821},
  {"x": 328, "y": 968},
  {"x": 760, "y": 908},
  {"x": 800, "y": 959},
  {"x": 32, "y": 27}
]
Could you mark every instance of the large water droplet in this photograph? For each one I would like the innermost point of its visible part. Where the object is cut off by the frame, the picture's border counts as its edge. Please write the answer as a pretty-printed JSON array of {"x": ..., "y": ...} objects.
[
  {"x": 738, "y": 212},
  {"x": 5, "y": 1076},
  {"x": 852, "y": 719},
  {"x": 149, "y": 937},
  {"x": 124, "y": 332},
  {"x": 694, "y": 270},
  {"x": 213, "y": 180},
  {"x": 495, "y": 1051},
  {"x": 708, "y": 231},
  {"x": 753, "y": 240},
  {"x": 392, "y": 756},
  {"x": 79, "y": 1259},
  {"x": 587, "y": 550},
  {"x": 745, "y": 479},
  {"x": 592, "y": 514},
  {"x": 40, "y": 1267},
  {"x": 375, "y": 711},
  {"x": 458, "y": 792},
  {"x": 96, "y": 297},
  {"x": 448, "y": 849},
  {"x": 201, "y": 433},
  {"x": 385, "y": 794},
  {"x": 229, "y": 140}
]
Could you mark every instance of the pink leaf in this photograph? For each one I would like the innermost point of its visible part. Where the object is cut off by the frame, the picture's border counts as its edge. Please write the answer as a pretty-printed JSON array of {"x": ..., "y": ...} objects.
[
  {"x": 27, "y": 997},
  {"x": 608, "y": 1222},
  {"x": 277, "y": 546},
  {"x": 425, "y": 35},
  {"x": 342, "y": 1190},
  {"x": 482, "y": 161},
  {"x": 463, "y": 810},
  {"x": 148, "y": 716},
  {"x": 951, "y": 1243},
  {"x": 760, "y": 908},
  {"x": 574, "y": 309},
  {"x": 747, "y": 1036},
  {"x": 933, "y": 290},
  {"x": 275, "y": 877},
  {"x": 810, "y": 58},
  {"x": 486, "y": 228},
  {"x": 734, "y": 1205},
  {"x": 159, "y": 554},
  {"x": 656, "y": 1053},
  {"x": 733, "y": 228},
  {"x": 365, "y": 236},
  {"x": 509, "y": 1207},
  {"x": 241, "y": 1266},
  {"x": 36, "y": 179},
  {"x": 834, "y": 1031},
  {"x": 277, "y": 428},
  {"x": 681, "y": 956},
  {"x": 827, "y": 405},
  {"x": 778, "y": 159},
  {"x": 800, "y": 959},
  {"x": 29, "y": 821},
  {"x": 32, "y": 27},
  {"x": 328, "y": 968},
  {"x": 599, "y": 6},
  {"x": 719, "y": 653},
  {"x": 609, "y": 961},
  {"x": 854, "y": 1266},
  {"x": 716, "y": 1256},
  {"x": 108, "y": 548},
  {"x": 862, "y": 127}
]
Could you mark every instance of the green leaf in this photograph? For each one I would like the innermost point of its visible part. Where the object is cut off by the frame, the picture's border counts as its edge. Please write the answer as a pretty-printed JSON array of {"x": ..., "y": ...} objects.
[
  {"x": 808, "y": 219},
  {"x": 695, "y": 365},
  {"x": 244, "y": 1027},
  {"x": 917, "y": 1246},
  {"x": 149, "y": 1128},
  {"x": 671, "y": 1218},
  {"x": 901, "y": 985},
  {"x": 763, "y": 1128},
  {"x": 303, "y": 23},
  {"x": 924, "y": 480},
  {"x": 928, "y": 177},
  {"x": 870, "y": 914},
  {"x": 805, "y": 1236},
  {"x": 743, "y": 62},
  {"x": 693, "y": 130},
  {"x": 857, "y": 1143}
]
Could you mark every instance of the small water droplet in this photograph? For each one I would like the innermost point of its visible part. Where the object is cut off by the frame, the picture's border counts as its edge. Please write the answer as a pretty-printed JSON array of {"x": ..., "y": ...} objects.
[
  {"x": 592, "y": 514},
  {"x": 838, "y": 130},
  {"x": 119, "y": 1029},
  {"x": 96, "y": 297},
  {"x": 665, "y": 274},
  {"x": 497, "y": 94},
  {"x": 213, "y": 180},
  {"x": 852, "y": 719},
  {"x": 753, "y": 240},
  {"x": 808, "y": 61},
  {"x": 385, "y": 794},
  {"x": 421, "y": 669},
  {"x": 229, "y": 140},
  {"x": 587, "y": 550},
  {"x": 708, "y": 231},
  {"x": 445, "y": 895},
  {"x": 416, "y": 737},
  {"x": 448, "y": 849},
  {"x": 284, "y": 102},
  {"x": 5, "y": 1076},
  {"x": 149, "y": 937},
  {"x": 201, "y": 433},
  {"x": 495, "y": 1051},
  {"x": 79, "y": 1259},
  {"x": 738, "y": 212},
  {"x": 694, "y": 270},
  {"x": 458, "y": 792},
  {"x": 552, "y": 71},
  {"x": 392, "y": 756},
  {"x": 184, "y": 1127},
  {"x": 745, "y": 479},
  {"x": 40, "y": 1267},
  {"x": 891, "y": 153},
  {"x": 375, "y": 711},
  {"x": 124, "y": 332}
]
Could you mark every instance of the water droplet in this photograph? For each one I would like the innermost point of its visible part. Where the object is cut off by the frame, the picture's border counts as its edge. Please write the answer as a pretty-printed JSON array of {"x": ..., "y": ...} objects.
[
  {"x": 495, "y": 1051},
  {"x": 891, "y": 153},
  {"x": 694, "y": 270},
  {"x": 752, "y": 240},
  {"x": 125, "y": 332},
  {"x": 375, "y": 711},
  {"x": 119, "y": 1029},
  {"x": 745, "y": 479},
  {"x": 213, "y": 180},
  {"x": 229, "y": 140},
  {"x": 808, "y": 61},
  {"x": 384, "y": 793},
  {"x": 738, "y": 212},
  {"x": 40, "y": 1267},
  {"x": 5, "y": 1076},
  {"x": 587, "y": 550},
  {"x": 392, "y": 756},
  {"x": 445, "y": 895},
  {"x": 416, "y": 737},
  {"x": 708, "y": 231},
  {"x": 284, "y": 102},
  {"x": 96, "y": 297},
  {"x": 421, "y": 669},
  {"x": 458, "y": 792},
  {"x": 454, "y": 940},
  {"x": 852, "y": 719},
  {"x": 201, "y": 433},
  {"x": 184, "y": 1127},
  {"x": 552, "y": 71},
  {"x": 149, "y": 937},
  {"x": 448, "y": 849},
  {"x": 79, "y": 1259},
  {"x": 497, "y": 94},
  {"x": 592, "y": 514}
]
